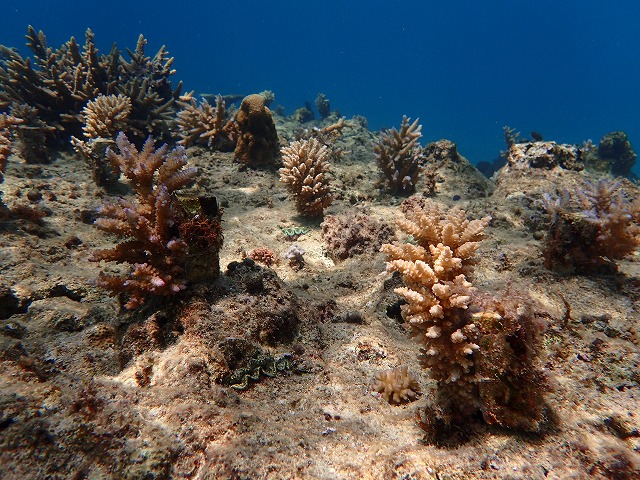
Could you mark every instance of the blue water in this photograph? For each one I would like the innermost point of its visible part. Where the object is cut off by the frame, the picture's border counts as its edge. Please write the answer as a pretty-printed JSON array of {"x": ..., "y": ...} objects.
[{"x": 567, "y": 69}]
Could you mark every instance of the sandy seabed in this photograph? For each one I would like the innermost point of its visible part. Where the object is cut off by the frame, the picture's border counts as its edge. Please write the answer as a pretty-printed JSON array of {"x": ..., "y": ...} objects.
[{"x": 90, "y": 391}]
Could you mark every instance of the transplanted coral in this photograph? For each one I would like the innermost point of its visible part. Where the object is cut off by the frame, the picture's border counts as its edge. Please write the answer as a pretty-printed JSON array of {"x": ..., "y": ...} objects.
[
  {"x": 104, "y": 117},
  {"x": 305, "y": 173},
  {"x": 398, "y": 155},
  {"x": 479, "y": 349},
  {"x": 149, "y": 222},
  {"x": 397, "y": 385},
  {"x": 604, "y": 229},
  {"x": 204, "y": 124},
  {"x": 438, "y": 293},
  {"x": 257, "y": 143}
]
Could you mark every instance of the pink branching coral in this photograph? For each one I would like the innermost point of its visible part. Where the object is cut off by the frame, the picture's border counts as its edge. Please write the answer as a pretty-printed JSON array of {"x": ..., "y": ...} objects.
[
  {"x": 606, "y": 227},
  {"x": 204, "y": 124},
  {"x": 149, "y": 222},
  {"x": 398, "y": 155}
]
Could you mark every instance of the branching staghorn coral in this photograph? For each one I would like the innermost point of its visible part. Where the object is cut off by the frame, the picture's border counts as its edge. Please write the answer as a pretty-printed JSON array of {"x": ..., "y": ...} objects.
[
  {"x": 150, "y": 222},
  {"x": 305, "y": 174},
  {"x": 204, "y": 124},
  {"x": 606, "y": 227},
  {"x": 57, "y": 84},
  {"x": 398, "y": 155},
  {"x": 7, "y": 122},
  {"x": 438, "y": 294},
  {"x": 104, "y": 117}
]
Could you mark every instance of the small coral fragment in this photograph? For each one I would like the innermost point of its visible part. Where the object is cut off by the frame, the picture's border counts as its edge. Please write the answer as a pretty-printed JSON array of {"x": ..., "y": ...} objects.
[{"x": 397, "y": 385}]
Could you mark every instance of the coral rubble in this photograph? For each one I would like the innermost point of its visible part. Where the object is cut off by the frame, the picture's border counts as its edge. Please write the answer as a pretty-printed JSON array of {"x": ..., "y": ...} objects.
[
  {"x": 149, "y": 223},
  {"x": 257, "y": 143},
  {"x": 398, "y": 155},
  {"x": 305, "y": 172}
]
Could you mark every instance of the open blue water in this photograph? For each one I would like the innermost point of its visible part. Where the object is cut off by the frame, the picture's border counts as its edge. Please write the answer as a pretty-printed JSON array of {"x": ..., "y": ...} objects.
[{"x": 568, "y": 69}]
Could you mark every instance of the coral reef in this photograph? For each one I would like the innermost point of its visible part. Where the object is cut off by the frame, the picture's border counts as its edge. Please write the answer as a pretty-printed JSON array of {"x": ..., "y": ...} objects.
[
  {"x": 354, "y": 234},
  {"x": 149, "y": 223},
  {"x": 257, "y": 143},
  {"x": 397, "y": 385},
  {"x": 305, "y": 174},
  {"x": 104, "y": 117},
  {"x": 57, "y": 84},
  {"x": 205, "y": 124},
  {"x": 398, "y": 155},
  {"x": 605, "y": 228},
  {"x": 295, "y": 256},
  {"x": 7, "y": 122}
]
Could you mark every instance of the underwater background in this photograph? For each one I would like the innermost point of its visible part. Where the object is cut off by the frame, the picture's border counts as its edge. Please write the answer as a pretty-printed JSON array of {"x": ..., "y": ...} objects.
[{"x": 568, "y": 70}]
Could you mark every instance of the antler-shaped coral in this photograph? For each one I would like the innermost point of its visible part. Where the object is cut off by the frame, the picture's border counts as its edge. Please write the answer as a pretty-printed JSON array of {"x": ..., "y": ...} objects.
[
  {"x": 436, "y": 288},
  {"x": 305, "y": 173},
  {"x": 398, "y": 154},
  {"x": 7, "y": 122},
  {"x": 150, "y": 222}
]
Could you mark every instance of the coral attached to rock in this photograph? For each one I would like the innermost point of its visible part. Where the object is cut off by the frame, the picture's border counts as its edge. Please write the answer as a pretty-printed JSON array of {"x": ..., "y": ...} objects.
[
  {"x": 204, "y": 124},
  {"x": 438, "y": 293},
  {"x": 398, "y": 155},
  {"x": 354, "y": 234},
  {"x": 257, "y": 143},
  {"x": 546, "y": 155},
  {"x": 305, "y": 173},
  {"x": 397, "y": 385},
  {"x": 606, "y": 227},
  {"x": 150, "y": 222}
]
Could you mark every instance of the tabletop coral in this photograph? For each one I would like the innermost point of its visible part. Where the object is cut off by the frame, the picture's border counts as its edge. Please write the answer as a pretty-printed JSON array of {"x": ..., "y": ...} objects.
[{"x": 149, "y": 222}]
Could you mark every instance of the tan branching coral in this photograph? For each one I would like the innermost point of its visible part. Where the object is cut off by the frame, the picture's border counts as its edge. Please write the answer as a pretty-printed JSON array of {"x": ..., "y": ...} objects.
[
  {"x": 149, "y": 222},
  {"x": 7, "y": 122},
  {"x": 438, "y": 293},
  {"x": 204, "y": 124},
  {"x": 398, "y": 155},
  {"x": 305, "y": 174},
  {"x": 257, "y": 143},
  {"x": 104, "y": 117},
  {"x": 397, "y": 385}
]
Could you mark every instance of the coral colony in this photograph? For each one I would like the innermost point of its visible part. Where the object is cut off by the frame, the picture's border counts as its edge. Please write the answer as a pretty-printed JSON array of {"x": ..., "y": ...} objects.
[{"x": 479, "y": 346}]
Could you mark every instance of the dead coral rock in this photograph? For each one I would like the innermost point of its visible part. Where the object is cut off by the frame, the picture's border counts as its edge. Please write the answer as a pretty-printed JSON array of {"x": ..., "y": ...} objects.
[
  {"x": 354, "y": 234},
  {"x": 616, "y": 152},
  {"x": 258, "y": 141},
  {"x": 547, "y": 155},
  {"x": 455, "y": 174}
]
